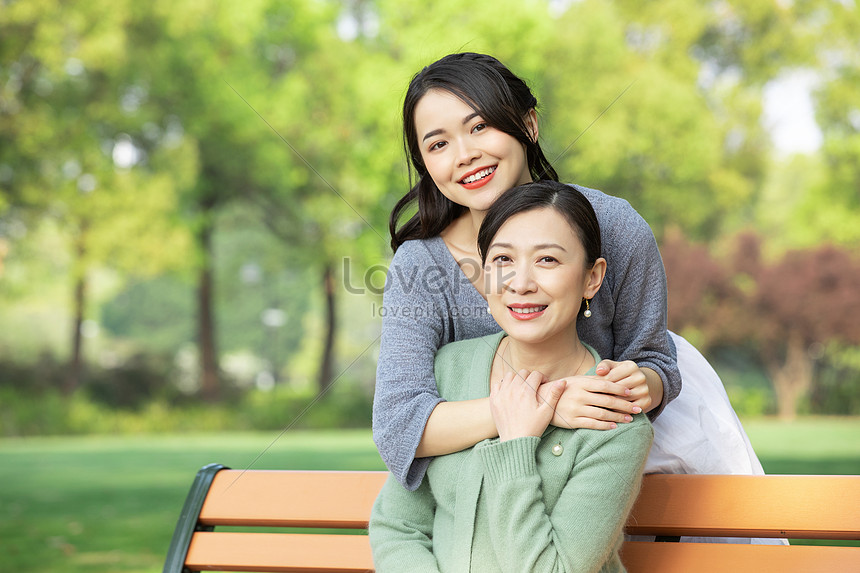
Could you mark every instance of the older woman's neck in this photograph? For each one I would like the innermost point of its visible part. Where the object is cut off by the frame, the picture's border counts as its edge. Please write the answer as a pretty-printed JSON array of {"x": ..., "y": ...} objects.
[{"x": 566, "y": 356}]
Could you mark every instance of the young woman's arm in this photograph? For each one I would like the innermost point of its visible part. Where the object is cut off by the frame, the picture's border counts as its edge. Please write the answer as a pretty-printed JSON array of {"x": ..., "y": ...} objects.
[
  {"x": 413, "y": 329},
  {"x": 629, "y": 313}
]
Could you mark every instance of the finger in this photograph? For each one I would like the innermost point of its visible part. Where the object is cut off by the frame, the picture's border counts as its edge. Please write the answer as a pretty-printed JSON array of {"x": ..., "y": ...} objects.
[
  {"x": 592, "y": 424},
  {"x": 495, "y": 384},
  {"x": 555, "y": 392},
  {"x": 604, "y": 415},
  {"x": 594, "y": 384},
  {"x": 603, "y": 386},
  {"x": 534, "y": 379},
  {"x": 603, "y": 368},
  {"x": 643, "y": 404},
  {"x": 613, "y": 403}
]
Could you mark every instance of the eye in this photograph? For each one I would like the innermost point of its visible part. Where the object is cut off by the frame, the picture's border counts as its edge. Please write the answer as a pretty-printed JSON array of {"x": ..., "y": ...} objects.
[
  {"x": 501, "y": 259},
  {"x": 548, "y": 259},
  {"x": 438, "y": 145},
  {"x": 479, "y": 127}
]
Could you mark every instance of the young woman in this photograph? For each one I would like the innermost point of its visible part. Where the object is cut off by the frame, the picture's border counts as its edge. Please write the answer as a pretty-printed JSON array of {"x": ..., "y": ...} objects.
[
  {"x": 537, "y": 498},
  {"x": 471, "y": 132}
]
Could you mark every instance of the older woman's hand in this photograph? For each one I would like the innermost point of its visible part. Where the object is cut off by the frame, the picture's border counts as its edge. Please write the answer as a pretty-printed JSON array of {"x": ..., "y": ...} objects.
[{"x": 518, "y": 408}]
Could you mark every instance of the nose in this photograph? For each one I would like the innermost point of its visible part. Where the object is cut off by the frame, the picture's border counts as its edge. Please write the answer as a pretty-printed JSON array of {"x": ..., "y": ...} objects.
[
  {"x": 466, "y": 152},
  {"x": 521, "y": 280}
]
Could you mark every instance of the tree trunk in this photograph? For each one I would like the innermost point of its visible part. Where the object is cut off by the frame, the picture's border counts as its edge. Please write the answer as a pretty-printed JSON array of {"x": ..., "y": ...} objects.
[
  {"x": 73, "y": 376},
  {"x": 792, "y": 377},
  {"x": 327, "y": 359},
  {"x": 209, "y": 382}
]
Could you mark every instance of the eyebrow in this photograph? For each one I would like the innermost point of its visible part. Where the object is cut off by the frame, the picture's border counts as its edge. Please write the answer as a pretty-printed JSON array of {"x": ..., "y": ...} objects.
[
  {"x": 540, "y": 247},
  {"x": 466, "y": 120}
]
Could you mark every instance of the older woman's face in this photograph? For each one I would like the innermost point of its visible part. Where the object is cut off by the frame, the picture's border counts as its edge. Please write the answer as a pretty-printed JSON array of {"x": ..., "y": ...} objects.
[{"x": 537, "y": 277}]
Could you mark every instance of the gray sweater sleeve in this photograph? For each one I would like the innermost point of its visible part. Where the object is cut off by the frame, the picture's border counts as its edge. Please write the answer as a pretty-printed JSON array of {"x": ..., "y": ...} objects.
[
  {"x": 412, "y": 331},
  {"x": 634, "y": 295}
]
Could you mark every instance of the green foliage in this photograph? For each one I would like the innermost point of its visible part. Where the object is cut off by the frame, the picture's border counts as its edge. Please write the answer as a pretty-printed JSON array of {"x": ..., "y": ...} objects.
[
  {"x": 270, "y": 122},
  {"x": 87, "y": 412},
  {"x": 752, "y": 401},
  {"x": 156, "y": 313},
  {"x": 837, "y": 382},
  {"x": 342, "y": 407}
]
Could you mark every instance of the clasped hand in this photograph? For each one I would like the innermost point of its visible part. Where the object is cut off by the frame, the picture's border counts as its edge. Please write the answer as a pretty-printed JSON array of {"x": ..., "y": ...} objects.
[
  {"x": 601, "y": 402},
  {"x": 523, "y": 404}
]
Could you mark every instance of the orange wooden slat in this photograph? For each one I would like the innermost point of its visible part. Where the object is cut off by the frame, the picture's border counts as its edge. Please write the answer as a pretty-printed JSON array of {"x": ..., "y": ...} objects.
[
  {"x": 804, "y": 507},
  {"x": 279, "y": 552},
  {"x": 292, "y": 498},
  {"x": 647, "y": 557}
]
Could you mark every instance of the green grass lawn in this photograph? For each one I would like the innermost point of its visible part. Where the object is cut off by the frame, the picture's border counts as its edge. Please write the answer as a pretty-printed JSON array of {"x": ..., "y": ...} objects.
[{"x": 105, "y": 504}]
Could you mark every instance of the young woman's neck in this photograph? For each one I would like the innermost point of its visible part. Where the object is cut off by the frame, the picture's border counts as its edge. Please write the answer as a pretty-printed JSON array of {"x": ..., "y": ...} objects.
[
  {"x": 462, "y": 234},
  {"x": 563, "y": 356}
]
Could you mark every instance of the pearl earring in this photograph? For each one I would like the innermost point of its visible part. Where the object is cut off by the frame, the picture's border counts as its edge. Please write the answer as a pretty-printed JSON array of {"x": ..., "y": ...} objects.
[
  {"x": 489, "y": 311},
  {"x": 587, "y": 312}
]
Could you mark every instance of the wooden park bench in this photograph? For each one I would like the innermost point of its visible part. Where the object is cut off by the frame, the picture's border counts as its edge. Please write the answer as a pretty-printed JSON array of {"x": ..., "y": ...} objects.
[{"x": 222, "y": 503}]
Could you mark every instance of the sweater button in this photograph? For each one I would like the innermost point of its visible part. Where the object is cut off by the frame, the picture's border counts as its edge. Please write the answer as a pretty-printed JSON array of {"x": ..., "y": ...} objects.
[{"x": 557, "y": 449}]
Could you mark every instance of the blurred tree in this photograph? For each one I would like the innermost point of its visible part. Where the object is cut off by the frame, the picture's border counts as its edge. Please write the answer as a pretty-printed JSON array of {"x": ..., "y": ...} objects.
[
  {"x": 182, "y": 54},
  {"x": 64, "y": 152},
  {"x": 788, "y": 310},
  {"x": 333, "y": 119},
  {"x": 832, "y": 208},
  {"x": 801, "y": 303}
]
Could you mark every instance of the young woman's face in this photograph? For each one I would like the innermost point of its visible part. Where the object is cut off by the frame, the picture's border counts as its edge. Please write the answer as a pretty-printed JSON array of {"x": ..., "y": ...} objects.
[
  {"x": 470, "y": 162},
  {"x": 537, "y": 276}
]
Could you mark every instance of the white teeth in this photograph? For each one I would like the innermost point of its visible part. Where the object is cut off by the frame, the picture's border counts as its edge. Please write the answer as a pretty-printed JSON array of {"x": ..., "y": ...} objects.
[
  {"x": 527, "y": 310},
  {"x": 479, "y": 175}
]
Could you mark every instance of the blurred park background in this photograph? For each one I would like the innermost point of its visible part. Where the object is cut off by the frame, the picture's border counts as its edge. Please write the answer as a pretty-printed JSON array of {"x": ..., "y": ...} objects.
[{"x": 194, "y": 236}]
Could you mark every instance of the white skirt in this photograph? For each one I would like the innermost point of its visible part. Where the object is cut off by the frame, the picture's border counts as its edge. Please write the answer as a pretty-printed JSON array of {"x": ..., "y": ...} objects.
[{"x": 699, "y": 433}]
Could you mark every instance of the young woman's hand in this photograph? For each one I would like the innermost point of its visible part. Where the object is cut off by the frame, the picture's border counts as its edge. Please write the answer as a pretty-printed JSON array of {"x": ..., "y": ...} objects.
[
  {"x": 517, "y": 407},
  {"x": 629, "y": 375},
  {"x": 592, "y": 402}
]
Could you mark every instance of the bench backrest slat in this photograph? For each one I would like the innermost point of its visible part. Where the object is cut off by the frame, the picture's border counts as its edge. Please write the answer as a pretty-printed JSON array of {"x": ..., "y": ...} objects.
[
  {"x": 292, "y": 498},
  {"x": 801, "y": 507},
  {"x": 698, "y": 505}
]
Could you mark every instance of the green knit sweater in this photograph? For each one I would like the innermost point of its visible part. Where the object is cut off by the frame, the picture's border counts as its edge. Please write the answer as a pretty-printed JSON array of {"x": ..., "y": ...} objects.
[{"x": 512, "y": 506}]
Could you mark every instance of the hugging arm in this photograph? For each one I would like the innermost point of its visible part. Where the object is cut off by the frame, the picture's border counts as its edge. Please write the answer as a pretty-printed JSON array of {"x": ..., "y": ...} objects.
[
  {"x": 641, "y": 307},
  {"x": 413, "y": 329}
]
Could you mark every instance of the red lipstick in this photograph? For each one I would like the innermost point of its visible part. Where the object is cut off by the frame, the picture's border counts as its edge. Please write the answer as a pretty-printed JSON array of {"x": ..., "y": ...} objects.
[
  {"x": 538, "y": 311},
  {"x": 480, "y": 182}
]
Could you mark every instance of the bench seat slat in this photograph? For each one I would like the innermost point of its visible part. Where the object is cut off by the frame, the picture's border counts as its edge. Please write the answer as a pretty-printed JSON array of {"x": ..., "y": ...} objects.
[
  {"x": 292, "y": 498},
  {"x": 646, "y": 557},
  {"x": 279, "y": 552},
  {"x": 802, "y": 507},
  {"x": 351, "y": 553}
]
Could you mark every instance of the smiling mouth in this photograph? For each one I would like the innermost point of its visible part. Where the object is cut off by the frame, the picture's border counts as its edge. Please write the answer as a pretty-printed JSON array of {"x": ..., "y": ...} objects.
[
  {"x": 529, "y": 310},
  {"x": 477, "y": 176}
]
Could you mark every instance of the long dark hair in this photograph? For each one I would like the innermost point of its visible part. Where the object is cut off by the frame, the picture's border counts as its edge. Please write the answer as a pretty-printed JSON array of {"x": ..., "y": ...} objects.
[
  {"x": 501, "y": 98},
  {"x": 564, "y": 199}
]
